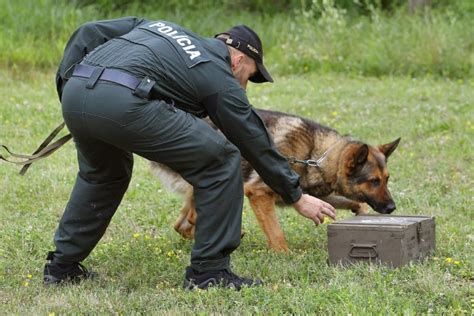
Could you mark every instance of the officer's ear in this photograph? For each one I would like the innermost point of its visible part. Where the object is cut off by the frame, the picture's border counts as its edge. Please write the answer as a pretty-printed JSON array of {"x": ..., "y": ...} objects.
[{"x": 237, "y": 60}]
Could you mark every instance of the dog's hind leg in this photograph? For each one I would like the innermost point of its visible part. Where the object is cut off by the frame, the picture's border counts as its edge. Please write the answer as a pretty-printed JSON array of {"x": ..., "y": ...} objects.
[
  {"x": 341, "y": 202},
  {"x": 185, "y": 223},
  {"x": 263, "y": 206}
]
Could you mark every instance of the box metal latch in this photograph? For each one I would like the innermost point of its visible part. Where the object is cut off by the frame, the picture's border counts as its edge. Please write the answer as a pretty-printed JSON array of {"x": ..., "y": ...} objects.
[{"x": 419, "y": 231}]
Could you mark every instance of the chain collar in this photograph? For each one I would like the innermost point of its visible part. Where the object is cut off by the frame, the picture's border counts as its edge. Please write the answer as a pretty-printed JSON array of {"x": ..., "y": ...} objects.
[
  {"x": 312, "y": 162},
  {"x": 307, "y": 162}
]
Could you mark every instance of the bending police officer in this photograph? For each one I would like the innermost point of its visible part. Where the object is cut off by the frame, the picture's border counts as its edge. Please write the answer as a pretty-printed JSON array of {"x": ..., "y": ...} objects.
[{"x": 134, "y": 86}]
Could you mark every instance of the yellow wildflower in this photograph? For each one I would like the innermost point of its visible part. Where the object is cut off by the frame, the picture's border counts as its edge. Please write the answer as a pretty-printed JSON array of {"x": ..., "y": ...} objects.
[
  {"x": 457, "y": 262},
  {"x": 136, "y": 235},
  {"x": 29, "y": 276},
  {"x": 449, "y": 260}
]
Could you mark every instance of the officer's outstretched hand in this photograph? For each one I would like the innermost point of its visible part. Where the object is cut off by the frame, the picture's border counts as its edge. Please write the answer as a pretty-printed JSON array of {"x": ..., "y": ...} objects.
[{"x": 314, "y": 208}]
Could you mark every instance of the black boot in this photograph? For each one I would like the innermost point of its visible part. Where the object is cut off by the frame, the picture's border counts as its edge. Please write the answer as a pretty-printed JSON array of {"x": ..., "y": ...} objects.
[
  {"x": 61, "y": 273},
  {"x": 221, "y": 278}
]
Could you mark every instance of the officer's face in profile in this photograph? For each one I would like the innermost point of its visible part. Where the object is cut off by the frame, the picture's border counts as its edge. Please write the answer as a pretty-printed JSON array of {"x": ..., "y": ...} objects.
[{"x": 243, "y": 67}]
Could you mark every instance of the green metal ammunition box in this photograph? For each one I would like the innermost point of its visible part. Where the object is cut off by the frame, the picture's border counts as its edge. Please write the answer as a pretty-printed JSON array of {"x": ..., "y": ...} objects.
[{"x": 386, "y": 239}]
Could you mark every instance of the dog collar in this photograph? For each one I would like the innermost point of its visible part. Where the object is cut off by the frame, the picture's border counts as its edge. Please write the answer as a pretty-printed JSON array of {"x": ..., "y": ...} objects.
[
  {"x": 312, "y": 162},
  {"x": 307, "y": 162}
]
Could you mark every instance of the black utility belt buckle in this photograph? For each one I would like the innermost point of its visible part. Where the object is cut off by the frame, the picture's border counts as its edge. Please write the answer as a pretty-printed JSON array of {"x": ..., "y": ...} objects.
[{"x": 144, "y": 87}]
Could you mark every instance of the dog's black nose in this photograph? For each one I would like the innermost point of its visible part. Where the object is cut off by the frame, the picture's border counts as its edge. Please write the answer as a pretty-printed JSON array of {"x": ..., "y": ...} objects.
[{"x": 390, "y": 207}]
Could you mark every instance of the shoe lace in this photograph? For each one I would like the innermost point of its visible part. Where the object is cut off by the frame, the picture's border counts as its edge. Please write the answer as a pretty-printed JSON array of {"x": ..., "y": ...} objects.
[
  {"x": 75, "y": 269},
  {"x": 234, "y": 278},
  {"x": 82, "y": 269}
]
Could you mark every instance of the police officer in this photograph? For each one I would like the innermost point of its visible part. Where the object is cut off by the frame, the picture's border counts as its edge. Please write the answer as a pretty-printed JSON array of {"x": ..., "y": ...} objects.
[{"x": 135, "y": 86}]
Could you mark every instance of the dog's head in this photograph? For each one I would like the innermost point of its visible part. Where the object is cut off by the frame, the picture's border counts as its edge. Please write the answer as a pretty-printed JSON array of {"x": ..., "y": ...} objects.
[{"x": 363, "y": 175}]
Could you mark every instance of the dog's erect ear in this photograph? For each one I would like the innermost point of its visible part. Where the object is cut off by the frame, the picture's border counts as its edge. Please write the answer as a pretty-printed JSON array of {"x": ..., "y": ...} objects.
[
  {"x": 359, "y": 157},
  {"x": 389, "y": 148}
]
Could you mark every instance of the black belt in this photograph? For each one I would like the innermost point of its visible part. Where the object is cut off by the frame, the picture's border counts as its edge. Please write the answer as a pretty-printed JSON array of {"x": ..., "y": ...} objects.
[{"x": 140, "y": 87}]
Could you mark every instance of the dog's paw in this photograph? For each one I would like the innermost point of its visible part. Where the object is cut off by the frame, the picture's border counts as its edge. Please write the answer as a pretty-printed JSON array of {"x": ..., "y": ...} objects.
[
  {"x": 279, "y": 246},
  {"x": 185, "y": 229},
  {"x": 362, "y": 209}
]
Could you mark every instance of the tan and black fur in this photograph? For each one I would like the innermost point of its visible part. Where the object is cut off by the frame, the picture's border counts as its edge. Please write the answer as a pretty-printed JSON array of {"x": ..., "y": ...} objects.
[{"x": 351, "y": 175}]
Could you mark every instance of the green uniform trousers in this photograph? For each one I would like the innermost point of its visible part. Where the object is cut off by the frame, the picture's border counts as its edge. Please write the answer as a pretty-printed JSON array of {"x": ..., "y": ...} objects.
[{"x": 109, "y": 124}]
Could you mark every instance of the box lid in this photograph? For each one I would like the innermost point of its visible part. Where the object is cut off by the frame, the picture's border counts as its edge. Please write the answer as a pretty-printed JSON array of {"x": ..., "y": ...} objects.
[{"x": 380, "y": 221}]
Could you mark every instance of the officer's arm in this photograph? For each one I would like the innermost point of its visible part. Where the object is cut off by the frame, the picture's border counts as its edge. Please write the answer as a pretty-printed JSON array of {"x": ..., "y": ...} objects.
[
  {"x": 231, "y": 112},
  {"x": 87, "y": 37}
]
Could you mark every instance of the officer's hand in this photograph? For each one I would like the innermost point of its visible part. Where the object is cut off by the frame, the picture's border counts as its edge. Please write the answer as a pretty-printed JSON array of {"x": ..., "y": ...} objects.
[{"x": 314, "y": 208}]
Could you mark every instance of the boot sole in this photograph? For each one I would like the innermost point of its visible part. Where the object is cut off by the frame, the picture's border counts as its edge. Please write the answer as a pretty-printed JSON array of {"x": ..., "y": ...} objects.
[
  {"x": 51, "y": 280},
  {"x": 191, "y": 285}
]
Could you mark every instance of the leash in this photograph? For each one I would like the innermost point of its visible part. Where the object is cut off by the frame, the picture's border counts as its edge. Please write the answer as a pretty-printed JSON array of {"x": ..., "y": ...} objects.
[
  {"x": 43, "y": 151},
  {"x": 141, "y": 88}
]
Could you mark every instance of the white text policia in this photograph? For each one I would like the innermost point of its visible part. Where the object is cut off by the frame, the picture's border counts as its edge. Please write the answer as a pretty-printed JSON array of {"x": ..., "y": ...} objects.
[{"x": 182, "y": 39}]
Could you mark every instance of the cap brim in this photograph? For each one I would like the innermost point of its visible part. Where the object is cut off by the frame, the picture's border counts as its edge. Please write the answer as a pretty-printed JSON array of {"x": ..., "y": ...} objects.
[{"x": 262, "y": 75}]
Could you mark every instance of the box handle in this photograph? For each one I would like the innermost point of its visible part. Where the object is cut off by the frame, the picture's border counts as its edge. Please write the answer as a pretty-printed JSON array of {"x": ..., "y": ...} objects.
[{"x": 363, "y": 251}]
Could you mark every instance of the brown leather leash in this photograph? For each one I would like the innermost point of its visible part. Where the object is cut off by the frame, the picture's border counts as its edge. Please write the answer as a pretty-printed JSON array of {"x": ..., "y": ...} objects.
[
  {"x": 43, "y": 151},
  {"x": 141, "y": 87}
]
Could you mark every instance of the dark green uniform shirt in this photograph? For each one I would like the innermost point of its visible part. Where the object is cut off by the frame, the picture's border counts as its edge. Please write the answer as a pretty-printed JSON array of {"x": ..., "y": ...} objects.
[{"x": 195, "y": 73}]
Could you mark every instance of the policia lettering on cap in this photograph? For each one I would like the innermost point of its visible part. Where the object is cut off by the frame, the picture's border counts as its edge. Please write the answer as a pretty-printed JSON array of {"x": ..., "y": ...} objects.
[{"x": 133, "y": 86}]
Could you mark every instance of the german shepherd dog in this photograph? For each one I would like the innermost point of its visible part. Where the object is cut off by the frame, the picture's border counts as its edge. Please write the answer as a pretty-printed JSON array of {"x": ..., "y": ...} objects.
[{"x": 346, "y": 173}]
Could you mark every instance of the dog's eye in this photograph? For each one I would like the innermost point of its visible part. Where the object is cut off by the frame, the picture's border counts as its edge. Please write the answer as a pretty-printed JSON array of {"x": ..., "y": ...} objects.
[{"x": 375, "y": 182}]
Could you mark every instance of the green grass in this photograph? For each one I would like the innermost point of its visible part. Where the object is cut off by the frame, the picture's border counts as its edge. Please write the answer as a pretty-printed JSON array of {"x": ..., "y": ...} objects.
[
  {"x": 315, "y": 39},
  {"x": 141, "y": 259}
]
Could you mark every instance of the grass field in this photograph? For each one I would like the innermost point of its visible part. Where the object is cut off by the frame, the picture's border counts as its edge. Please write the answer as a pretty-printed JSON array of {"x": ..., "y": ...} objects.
[
  {"x": 322, "y": 38},
  {"x": 141, "y": 259}
]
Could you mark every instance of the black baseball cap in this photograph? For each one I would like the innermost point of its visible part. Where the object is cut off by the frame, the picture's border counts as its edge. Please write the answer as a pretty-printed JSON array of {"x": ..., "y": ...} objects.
[{"x": 247, "y": 41}]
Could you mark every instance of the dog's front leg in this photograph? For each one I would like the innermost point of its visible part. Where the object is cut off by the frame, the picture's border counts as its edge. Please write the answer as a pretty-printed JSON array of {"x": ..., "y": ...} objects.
[
  {"x": 341, "y": 202},
  {"x": 263, "y": 206}
]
